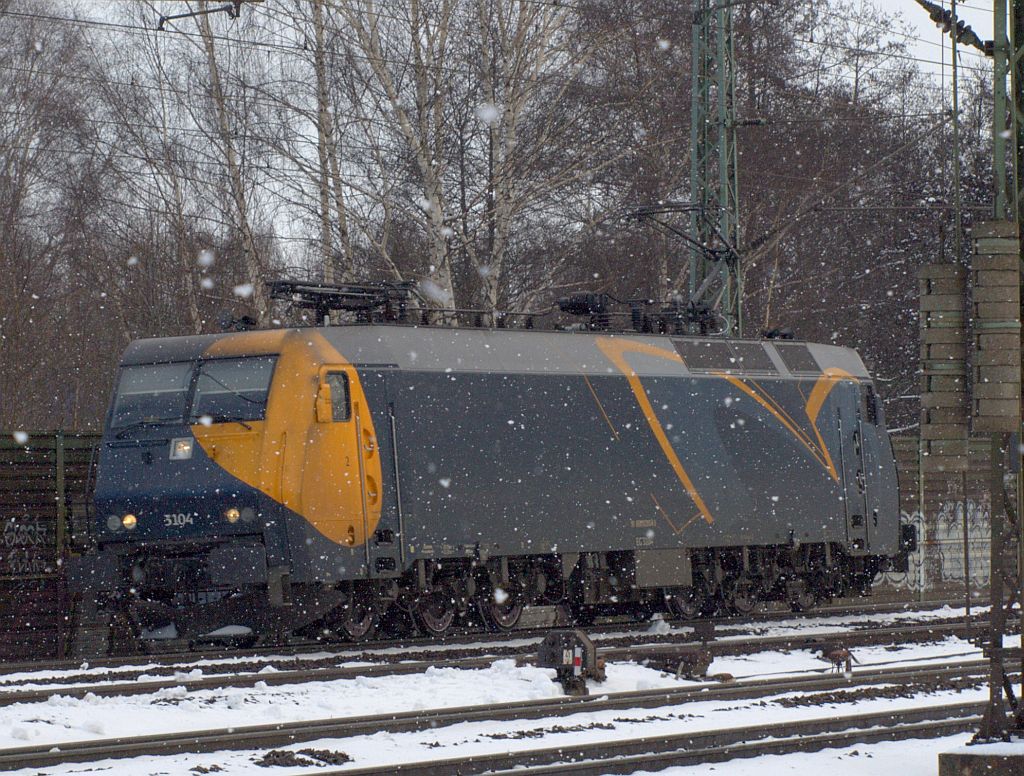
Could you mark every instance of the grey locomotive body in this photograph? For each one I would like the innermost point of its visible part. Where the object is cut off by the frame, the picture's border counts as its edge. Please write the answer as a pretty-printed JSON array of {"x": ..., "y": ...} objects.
[{"x": 451, "y": 471}]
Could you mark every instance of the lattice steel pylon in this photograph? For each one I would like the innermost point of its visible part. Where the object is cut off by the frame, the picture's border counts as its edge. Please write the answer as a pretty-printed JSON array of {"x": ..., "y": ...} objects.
[
  {"x": 1007, "y": 50},
  {"x": 715, "y": 278},
  {"x": 995, "y": 303}
]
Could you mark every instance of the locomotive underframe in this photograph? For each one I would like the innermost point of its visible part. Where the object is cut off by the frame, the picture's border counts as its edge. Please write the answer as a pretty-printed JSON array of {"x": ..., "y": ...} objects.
[{"x": 181, "y": 586}]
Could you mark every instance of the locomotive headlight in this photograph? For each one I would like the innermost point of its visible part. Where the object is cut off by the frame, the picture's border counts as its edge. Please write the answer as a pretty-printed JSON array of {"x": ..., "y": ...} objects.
[
  {"x": 232, "y": 514},
  {"x": 113, "y": 523},
  {"x": 181, "y": 448},
  {"x": 248, "y": 514},
  {"x": 129, "y": 521}
]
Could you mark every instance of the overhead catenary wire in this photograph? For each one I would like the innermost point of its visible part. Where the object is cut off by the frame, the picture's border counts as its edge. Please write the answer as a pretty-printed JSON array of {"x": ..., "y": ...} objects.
[{"x": 136, "y": 29}]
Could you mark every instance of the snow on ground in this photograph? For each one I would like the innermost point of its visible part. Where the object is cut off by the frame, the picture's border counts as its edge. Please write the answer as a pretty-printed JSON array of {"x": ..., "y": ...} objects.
[
  {"x": 808, "y": 626},
  {"x": 383, "y": 749},
  {"x": 26, "y": 680},
  {"x": 63, "y": 719},
  {"x": 173, "y": 710},
  {"x": 805, "y": 625},
  {"x": 906, "y": 758},
  {"x": 1014, "y": 747}
]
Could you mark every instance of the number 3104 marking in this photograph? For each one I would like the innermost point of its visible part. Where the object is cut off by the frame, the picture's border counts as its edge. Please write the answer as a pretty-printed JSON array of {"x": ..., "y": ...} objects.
[{"x": 177, "y": 519}]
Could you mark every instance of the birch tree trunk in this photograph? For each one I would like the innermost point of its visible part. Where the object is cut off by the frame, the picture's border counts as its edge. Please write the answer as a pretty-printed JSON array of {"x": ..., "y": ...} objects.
[
  {"x": 423, "y": 124},
  {"x": 253, "y": 265},
  {"x": 323, "y": 122}
]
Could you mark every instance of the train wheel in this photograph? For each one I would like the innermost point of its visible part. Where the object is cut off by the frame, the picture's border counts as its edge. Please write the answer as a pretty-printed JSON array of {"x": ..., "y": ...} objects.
[
  {"x": 358, "y": 620},
  {"x": 744, "y": 596},
  {"x": 434, "y": 612},
  {"x": 502, "y": 609},
  {"x": 686, "y": 604},
  {"x": 805, "y": 599}
]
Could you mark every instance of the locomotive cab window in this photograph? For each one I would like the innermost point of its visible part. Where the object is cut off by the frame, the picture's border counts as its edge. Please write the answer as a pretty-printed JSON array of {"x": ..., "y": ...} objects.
[
  {"x": 340, "y": 403},
  {"x": 233, "y": 389},
  {"x": 151, "y": 394}
]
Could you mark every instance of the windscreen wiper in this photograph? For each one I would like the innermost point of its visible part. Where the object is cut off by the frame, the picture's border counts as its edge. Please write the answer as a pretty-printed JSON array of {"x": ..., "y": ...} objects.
[
  {"x": 227, "y": 388},
  {"x": 141, "y": 424},
  {"x": 224, "y": 419}
]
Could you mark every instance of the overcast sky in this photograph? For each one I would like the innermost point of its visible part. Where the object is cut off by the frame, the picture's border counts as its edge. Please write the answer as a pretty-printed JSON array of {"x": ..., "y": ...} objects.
[
  {"x": 928, "y": 41},
  {"x": 928, "y": 44}
]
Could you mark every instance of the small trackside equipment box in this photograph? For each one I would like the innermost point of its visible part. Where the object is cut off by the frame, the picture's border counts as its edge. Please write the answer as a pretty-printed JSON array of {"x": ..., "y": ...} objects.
[{"x": 574, "y": 657}]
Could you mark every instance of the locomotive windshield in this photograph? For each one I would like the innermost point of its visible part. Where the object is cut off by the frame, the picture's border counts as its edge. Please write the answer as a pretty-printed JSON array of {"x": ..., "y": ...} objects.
[
  {"x": 233, "y": 389},
  {"x": 152, "y": 393},
  {"x": 221, "y": 390}
]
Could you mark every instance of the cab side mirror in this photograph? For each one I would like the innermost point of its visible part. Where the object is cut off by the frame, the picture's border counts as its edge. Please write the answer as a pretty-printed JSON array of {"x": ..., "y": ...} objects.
[{"x": 324, "y": 413}]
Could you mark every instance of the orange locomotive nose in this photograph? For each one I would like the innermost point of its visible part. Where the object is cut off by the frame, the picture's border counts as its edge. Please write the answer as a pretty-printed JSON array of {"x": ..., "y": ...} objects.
[{"x": 316, "y": 452}]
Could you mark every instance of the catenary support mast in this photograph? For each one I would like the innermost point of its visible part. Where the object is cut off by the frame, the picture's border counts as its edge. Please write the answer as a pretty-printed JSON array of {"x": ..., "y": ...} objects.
[
  {"x": 1007, "y": 157},
  {"x": 995, "y": 342},
  {"x": 715, "y": 280}
]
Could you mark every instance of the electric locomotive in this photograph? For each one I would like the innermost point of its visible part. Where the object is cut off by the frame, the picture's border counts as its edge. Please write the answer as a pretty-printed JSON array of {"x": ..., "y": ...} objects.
[{"x": 313, "y": 480}]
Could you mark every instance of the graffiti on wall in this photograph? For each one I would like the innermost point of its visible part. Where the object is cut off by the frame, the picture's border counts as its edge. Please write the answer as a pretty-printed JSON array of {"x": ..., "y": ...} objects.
[
  {"x": 947, "y": 538},
  {"x": 27, "y": 546},
  {"x": 913, "y": 579},
  {"x": 939, "y": 561}
]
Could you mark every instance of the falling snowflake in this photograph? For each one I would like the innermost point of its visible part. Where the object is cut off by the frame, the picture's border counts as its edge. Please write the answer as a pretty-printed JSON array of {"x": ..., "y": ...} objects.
[
  {"x": 488, "y": 113},
  {"x": 434, "y": 292}
]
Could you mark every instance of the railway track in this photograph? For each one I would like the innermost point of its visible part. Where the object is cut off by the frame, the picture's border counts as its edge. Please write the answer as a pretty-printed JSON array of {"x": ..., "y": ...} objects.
[
  {"x": 263, "y": 737},
  {"x": 660, "y": 651},
  {"x": 656, "y": 753},
  {"x": 299, "y": 649},
  {"x": 311, "y": 654}
]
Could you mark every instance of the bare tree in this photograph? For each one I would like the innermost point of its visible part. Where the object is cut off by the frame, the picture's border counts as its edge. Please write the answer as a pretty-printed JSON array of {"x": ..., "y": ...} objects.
[{"x": 255, "y": 265}]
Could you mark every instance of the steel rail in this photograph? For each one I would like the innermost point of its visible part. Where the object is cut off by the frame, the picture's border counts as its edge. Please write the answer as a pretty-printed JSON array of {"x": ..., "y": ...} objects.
[
  {"x": 456, "y": 638},
  {"x": 627, "y": 756},
  {"x": 659, "y": 652},
  {"x": 286, "y": 733}
]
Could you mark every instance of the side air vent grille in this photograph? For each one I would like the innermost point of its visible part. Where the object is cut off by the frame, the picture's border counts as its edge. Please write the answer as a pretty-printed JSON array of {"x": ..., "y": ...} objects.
[{"x": 720, "y": 356}]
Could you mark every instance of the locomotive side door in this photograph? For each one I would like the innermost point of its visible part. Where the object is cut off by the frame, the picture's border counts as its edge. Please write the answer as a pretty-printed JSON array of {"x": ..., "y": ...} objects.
[
  {"x": 853, "y": 466},
  {"x": 347, "y": 471},
  {"x": 870, "y": 423},
  {"x": 384, "y": 540}
]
